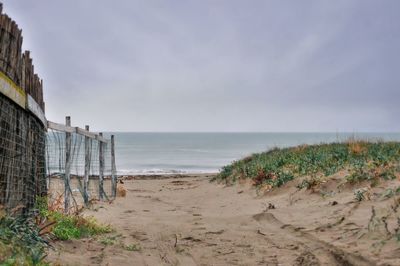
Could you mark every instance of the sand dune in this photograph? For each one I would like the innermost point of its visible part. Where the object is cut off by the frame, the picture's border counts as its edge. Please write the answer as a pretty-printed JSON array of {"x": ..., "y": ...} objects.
[{"x": 190, "y": 221}]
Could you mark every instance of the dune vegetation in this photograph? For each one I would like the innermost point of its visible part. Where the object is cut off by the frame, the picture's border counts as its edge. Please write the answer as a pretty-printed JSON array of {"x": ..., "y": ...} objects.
[
  {"x": 21, "y": 242},
  {"x": 25, "y": 238},
  {"x": 359, "y": 160}
]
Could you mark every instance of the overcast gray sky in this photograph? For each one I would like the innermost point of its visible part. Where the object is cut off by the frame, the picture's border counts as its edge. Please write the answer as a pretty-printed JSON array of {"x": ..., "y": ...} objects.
[{"x": 228, "y": 65}]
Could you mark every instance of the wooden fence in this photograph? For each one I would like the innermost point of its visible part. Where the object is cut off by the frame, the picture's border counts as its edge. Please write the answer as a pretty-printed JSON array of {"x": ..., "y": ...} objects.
[
  {"x": 14, "y": 63},
  {"x": 22, "y": 122},
  {"x": 77, "y": 143},
  {"x": 25, "y": 167}
]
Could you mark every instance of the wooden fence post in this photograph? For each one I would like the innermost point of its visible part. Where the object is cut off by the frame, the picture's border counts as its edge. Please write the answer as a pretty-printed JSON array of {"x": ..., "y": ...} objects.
[
  {"x": 113, "y": 169},
  {"x": 87, "y": 168},
  {"x": 101, "y": 168},
  {"x": 68, "y": 158}
]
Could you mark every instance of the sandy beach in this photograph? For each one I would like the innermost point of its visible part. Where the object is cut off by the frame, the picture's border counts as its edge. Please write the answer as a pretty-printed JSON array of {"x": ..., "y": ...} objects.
[{"x": 186, "y": 220}]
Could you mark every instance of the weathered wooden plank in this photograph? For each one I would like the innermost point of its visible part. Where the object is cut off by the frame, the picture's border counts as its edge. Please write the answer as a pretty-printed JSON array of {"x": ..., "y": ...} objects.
[
  {"x": 87, "y": 167},
  {"x": 23, "y": 72},
  {"x": 5, "y": 41},
  {"x": 35, "y": 108},
  {"x": 101, "y": 169},
  {"x": 101, "y": 138},
  {"x": 86, "y": 133},
  {"x": 68, "y": 160},
  {"x": 113, "y": 169},
  {"x": 77, "y": 130},
  {"x": 16, "y": 66},
  {"x": 12, "y": 91},
  {"x": 60, "y": 127}
]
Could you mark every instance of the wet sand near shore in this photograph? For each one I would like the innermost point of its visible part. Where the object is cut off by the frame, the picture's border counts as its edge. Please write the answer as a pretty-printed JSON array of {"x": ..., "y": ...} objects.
[{"x": 186, "y": 220}]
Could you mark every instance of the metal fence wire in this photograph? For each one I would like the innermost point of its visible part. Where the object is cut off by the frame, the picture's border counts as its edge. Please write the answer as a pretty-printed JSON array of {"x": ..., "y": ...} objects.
[
  {"x": 22, "y": 157},
  {"x": 79, "y": 169}
]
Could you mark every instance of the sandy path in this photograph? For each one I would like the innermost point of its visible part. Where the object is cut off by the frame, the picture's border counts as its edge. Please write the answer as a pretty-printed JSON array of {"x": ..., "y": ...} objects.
[{"x": 190, "y": 221}]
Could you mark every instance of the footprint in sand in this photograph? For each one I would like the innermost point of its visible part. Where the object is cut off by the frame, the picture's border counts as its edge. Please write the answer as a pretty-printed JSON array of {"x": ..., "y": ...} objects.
[{"x": 307, "y": 258}]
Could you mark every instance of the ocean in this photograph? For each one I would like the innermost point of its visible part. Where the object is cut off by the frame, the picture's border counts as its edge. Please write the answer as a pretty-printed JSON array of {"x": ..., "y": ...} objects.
[{"x": 168, "y": 153}]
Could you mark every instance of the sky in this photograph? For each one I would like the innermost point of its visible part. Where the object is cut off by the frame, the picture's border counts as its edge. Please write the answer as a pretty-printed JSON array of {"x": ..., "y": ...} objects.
[{"x": 215, "y": 65}]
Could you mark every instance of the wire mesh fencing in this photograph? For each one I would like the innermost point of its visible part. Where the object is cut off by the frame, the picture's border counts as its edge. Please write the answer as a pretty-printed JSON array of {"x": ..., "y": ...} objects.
[
  {"x": 80, "y": 167},
  {"x": 22, "y": 157}
]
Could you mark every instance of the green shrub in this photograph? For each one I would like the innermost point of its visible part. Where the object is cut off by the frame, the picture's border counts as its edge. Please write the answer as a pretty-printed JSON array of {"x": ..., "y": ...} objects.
[
  {"x": 20, "y": 242},
  {"x": 358, "y": 174},
  {"x": 20, "y": 239},
  {"x": 70, "y": 226},
  {"x": 75, "y": 226},
  {"x": 66, "y": 228}
]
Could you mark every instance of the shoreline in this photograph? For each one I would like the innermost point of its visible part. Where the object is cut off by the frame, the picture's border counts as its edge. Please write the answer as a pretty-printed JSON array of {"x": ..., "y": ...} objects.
[{"x": 164, "y": 176}]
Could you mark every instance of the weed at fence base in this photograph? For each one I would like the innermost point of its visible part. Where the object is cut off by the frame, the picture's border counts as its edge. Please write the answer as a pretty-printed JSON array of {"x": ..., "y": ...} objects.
[
  {"x": 21, "y": 242},
  {"x": 69, "y": 226}
]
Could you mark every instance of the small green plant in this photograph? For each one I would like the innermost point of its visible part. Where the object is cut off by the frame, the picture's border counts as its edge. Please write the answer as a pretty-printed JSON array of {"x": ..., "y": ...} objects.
[
  {"x": 309, "y": 183},
  {"x": 108, "y": 240},
  {"x": 388, "y": 174},
  {"x": 359, "y": 195},
  {"x": 66, "y": 228},
  {"x": 390, "y": 192},
  {"x": 358, "y": 174},
  {"x": 132, "y": 247},
  {"x": 41, "y": 205}
]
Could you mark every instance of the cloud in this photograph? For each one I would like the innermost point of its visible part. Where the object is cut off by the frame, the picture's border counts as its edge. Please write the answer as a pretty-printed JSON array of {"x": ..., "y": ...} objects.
[{"x": 217, "y": 65}]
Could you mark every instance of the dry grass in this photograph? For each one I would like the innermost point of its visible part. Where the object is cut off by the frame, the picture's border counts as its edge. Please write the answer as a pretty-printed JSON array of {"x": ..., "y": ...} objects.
[{"x": 357, "y": 147}]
